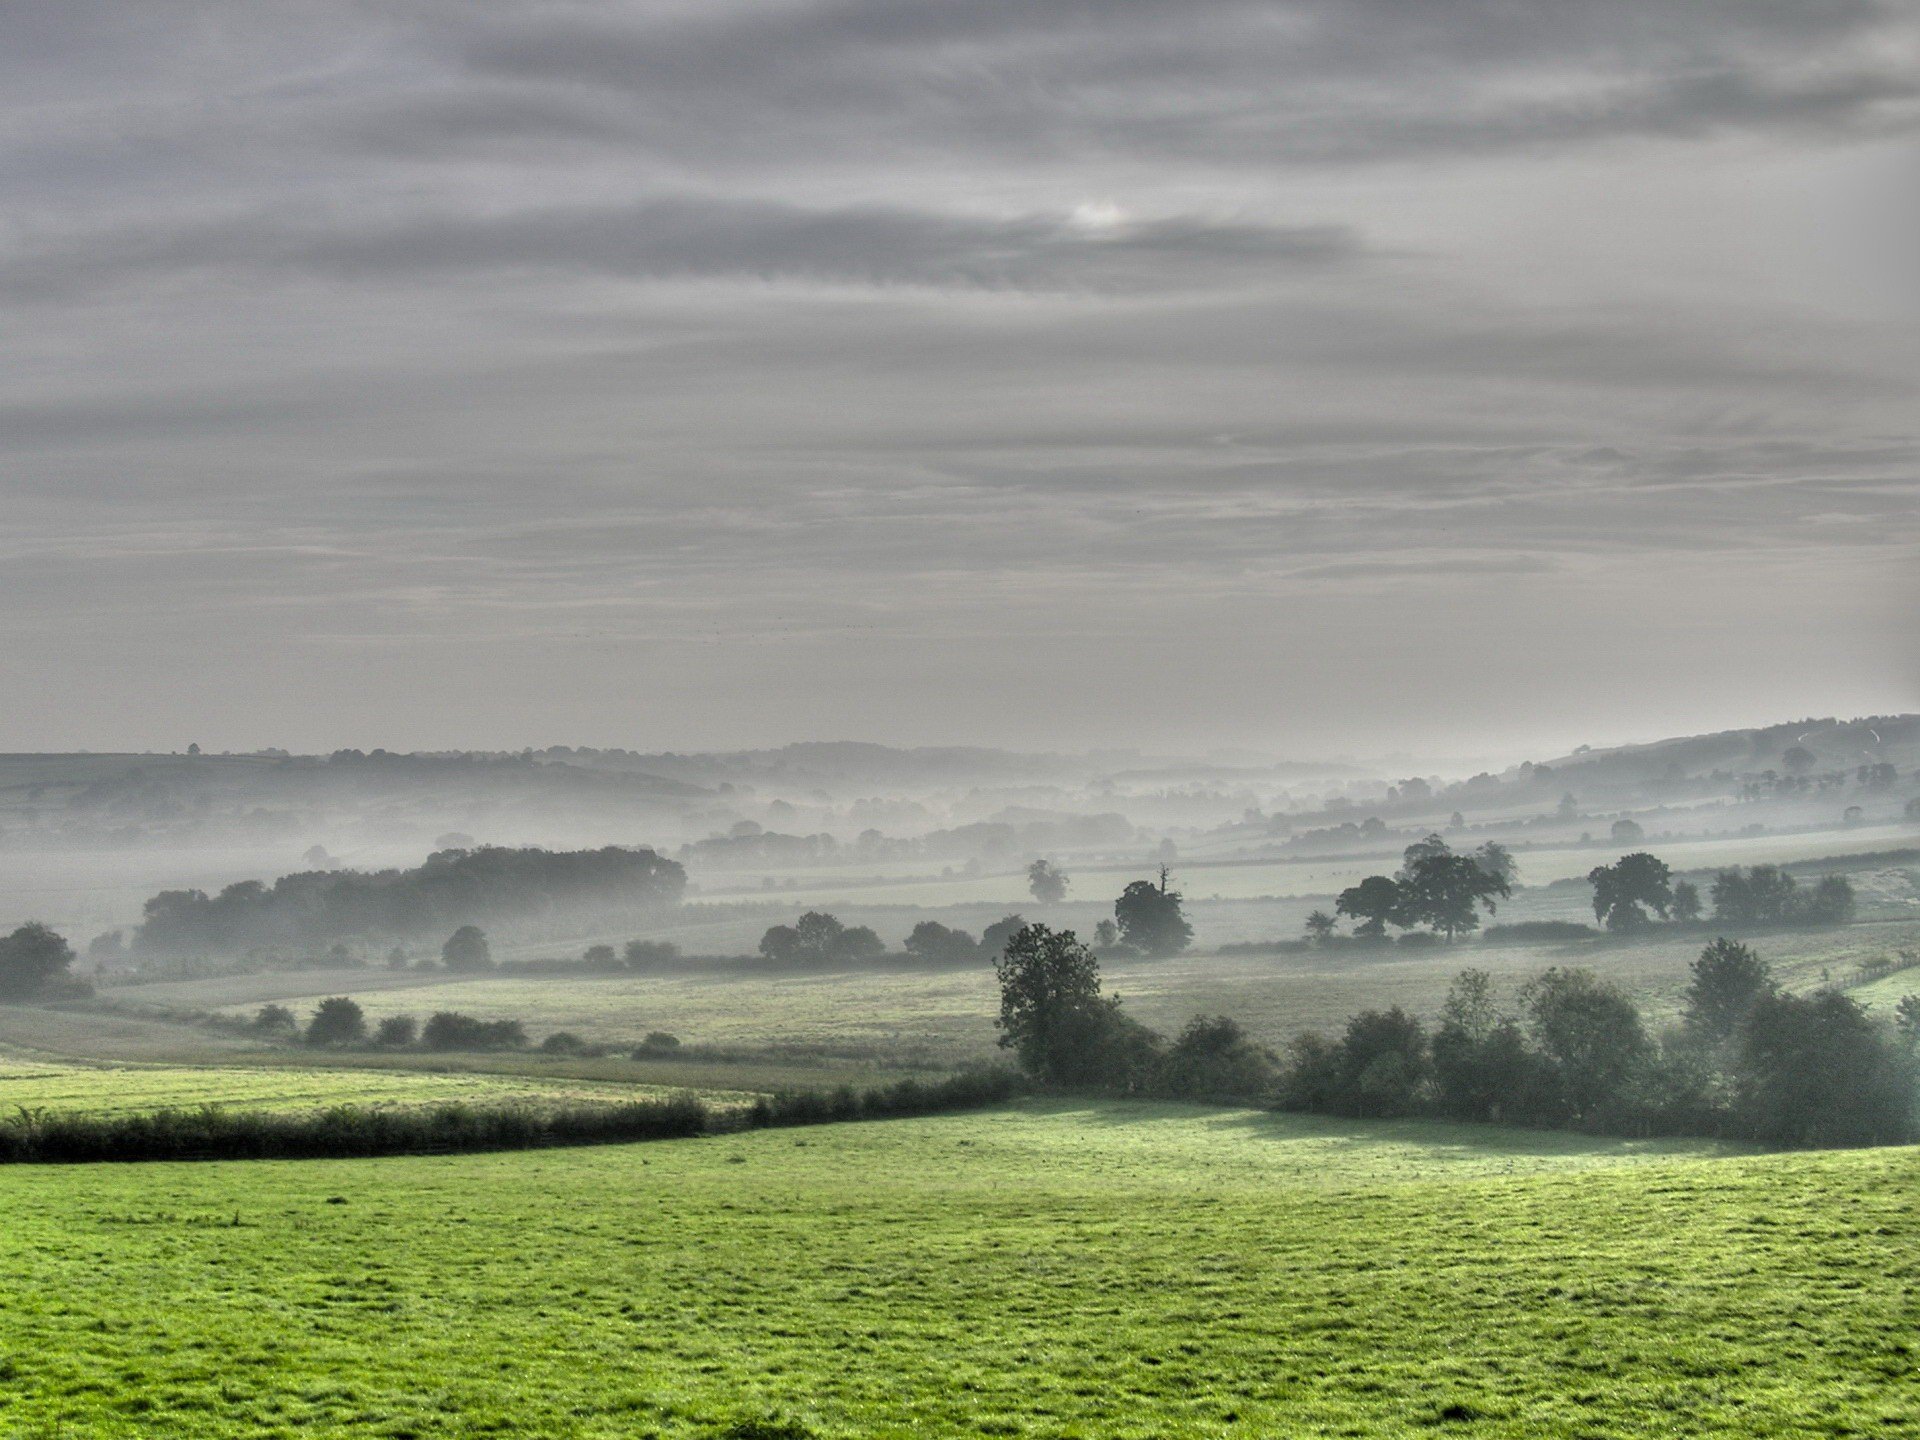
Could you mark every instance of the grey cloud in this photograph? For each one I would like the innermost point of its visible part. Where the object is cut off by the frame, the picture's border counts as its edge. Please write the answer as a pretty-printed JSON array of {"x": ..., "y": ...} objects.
[{"x": 685, "y": 237}]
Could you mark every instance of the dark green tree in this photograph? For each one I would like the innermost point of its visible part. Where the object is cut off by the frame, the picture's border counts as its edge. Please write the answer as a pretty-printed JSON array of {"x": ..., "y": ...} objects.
[
  {"x": 1626, "y": 890},
  {"x": 1151, "y": 919},
  {"x": 34, "y": 959},
  {"x": 1448, "y": 891},
  {"x": 1590, "y": 1033},
  {"x": 467, "y": 949},
  {"x": 1728, "y": 980},
  {"x": 337, "y": 1021},
  {"x": 1373, "y": 904}
]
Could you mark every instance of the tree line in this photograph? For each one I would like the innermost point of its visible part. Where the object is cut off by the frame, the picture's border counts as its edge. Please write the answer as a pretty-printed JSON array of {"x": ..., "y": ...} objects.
[
  {"x": 452, "y": 887},
  {"x": 1747, "y": 1060},
  {"x": 210, "y": 1133}
]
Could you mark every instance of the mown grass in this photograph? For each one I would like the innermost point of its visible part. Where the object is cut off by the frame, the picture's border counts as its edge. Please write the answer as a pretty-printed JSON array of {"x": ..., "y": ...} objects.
[{"x": 1048, "y": 1270}]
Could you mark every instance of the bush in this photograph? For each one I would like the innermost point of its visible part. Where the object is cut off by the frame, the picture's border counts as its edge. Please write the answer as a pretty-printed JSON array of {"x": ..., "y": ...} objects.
[
  {"x": 396, "y": 1032},
  {"x": 563, "y": 1042},
  {"x": 658, "y": 1042},
  {"x": 337, "y": 1021},
  {"x": 450, "y": 1030}
]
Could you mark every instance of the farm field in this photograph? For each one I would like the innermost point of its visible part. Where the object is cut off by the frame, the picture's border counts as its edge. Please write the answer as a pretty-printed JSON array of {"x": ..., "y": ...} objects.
[
  {"x": 122, "y": 1090},
  {"x": 1231, "y": 879},
  {"x": 1053, "y": 1269},
  {"x": 946, "y": 1016}
]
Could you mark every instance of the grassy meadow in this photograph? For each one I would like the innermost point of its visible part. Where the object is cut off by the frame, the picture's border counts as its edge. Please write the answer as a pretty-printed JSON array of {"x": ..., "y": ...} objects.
[
  {"x": 1055, "y": 1269},
  {"x": 944, "y": 1017},
  {"x": 53, "y": 1088}
]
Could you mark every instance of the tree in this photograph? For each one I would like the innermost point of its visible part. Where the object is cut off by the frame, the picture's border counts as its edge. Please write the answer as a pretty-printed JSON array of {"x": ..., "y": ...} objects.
[
  {"x": 650, "y": 954},
  {"x": 859, "y": 942},
  {"x": 1813, "y": 1070},
  {"x": 1568, "y": 808},
  {"x": 1686, "y": 902},
  {"x": 1373, "y": 904},
  {"x": 1624, "y": 891},
  {"x": 1589, "y": 1032},
  {"x": 450, "y": 1030},
  {"x": 817, "y": 935},
  {"x": 1627, "y": 832},
  {"x": 1728, "y": 980},
  {"x": 274, "y": 1020},
  {"x": 1497, "y": 859},
  {"x": 1482, "y": 1069},
  {"x": 1048, "y": 884},
  {"x": 1382, "y": 1063},
  {"x": 994, "y": 938},
  {"x": 1446, "y": 891},
  {"x": 1049, "y": 1001},
  {"x": 1798, "y": 760},
  {"x": 467, "y": 949},
  {"x": 1106, "y": 934},
  {"x": 781, "y": 943},
  {"x": 600, "y": 957},
  {"x": 337, "y": 1021},
  {"x": 1831, "y": 902},
  {"x": 396, "y": 1032},
  {"x": 34, "y": 960},
  {"x": 1150, "y": 918},
  {"x": 1320, "y": 926},
  {"x": 1213, "y": 1059},
  {"x": 1762, "y": 895},
  {"x": 1433, "y": 844},
  {"x": 933, "y": 942}
]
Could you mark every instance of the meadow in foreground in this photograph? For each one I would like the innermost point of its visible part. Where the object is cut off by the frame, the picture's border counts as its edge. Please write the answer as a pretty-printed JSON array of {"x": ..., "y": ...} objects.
[{"x": 1056, "y": 1268}]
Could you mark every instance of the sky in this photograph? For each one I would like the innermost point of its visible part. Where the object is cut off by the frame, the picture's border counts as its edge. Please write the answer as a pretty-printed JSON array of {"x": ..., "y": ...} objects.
[{"x": 1318, "y": 376}]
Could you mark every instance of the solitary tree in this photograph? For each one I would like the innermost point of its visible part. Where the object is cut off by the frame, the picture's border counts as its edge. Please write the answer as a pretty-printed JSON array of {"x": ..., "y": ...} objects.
[
  {"x": 1497, "y": 859},
  {"x": 1624, "y": 891},
  {"x": 1627, "y": 832},
  {"x": 1045, "y": 880},
  {"x": 1320, "y": 925},
  {"x": 467, "y": 949},
  {"x": 32, "y": 959},
  {"x": 337, "y": 1021},
  {"x": 1150, "y": 917}
]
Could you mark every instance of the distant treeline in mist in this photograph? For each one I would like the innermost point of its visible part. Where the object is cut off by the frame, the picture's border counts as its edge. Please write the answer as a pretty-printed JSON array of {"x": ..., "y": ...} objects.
[{"x": 453, "y": 887}]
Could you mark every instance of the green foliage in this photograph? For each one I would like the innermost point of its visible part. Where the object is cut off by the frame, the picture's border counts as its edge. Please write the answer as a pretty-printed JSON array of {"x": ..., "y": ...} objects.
[
  {"x": 451, "y": 1030},
  {"x": 1447, "y": 891},
  {"x": 1374, "y": 903},
  {"x": 1214, "y": 1059},
  {"x": 818, "y": 938},
  {"x": 937, "y": 944},
  {"x": 1625, "y": 891},
  {"x": 337, "y": 1021},
  {"x": 467, "y": 950},
  {"x": 1728, "y": 980},
  {"x": 1046, "y": 883},
  {"x": 1151, "y": 919},
  {"x": 33, "y": 962}
]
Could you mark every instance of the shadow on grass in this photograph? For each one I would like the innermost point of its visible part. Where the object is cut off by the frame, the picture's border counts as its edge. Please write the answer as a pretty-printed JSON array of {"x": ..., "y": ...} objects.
[{"x": 1441, "y": 1138}]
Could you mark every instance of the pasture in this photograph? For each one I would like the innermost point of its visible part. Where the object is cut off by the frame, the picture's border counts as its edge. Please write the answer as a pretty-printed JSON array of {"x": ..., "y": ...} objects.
[
  {"x": 56, "y": 1089},
  {"x": 944, "y": 1017},
  {"x": 1054, "y": 1269}
]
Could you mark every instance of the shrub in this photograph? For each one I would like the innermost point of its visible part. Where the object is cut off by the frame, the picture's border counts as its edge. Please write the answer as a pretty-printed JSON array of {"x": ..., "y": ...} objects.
[
  {"x": 563, "y": 1042},
  {"x": 657, "y": 1042},
  {"x": 337, "y": 1021},
  {"x": 396, "y": 1032},
  {"x": 1534, "y": 931},
  {"x": 450, "y": 1030}
]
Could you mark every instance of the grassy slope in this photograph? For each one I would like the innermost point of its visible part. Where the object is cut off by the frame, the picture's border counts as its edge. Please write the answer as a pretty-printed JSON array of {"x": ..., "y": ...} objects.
[{"x": 1053, "y": 1270}]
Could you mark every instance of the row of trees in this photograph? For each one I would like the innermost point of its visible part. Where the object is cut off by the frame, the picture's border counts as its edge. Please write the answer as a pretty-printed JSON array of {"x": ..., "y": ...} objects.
[
  {"x": 1149, "y": 919},
  {"x": 1748, "y": 1059},
  {"x": 339, "y": 1022},
  {"x": 1629, "y": 893},
  {"x": 452, "y": 887}
]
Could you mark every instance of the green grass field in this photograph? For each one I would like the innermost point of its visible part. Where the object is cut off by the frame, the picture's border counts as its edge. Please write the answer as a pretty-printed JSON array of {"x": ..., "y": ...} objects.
[
  {"x": 1051, "y": 1270},
  {"x": 53, "y": 1088}
]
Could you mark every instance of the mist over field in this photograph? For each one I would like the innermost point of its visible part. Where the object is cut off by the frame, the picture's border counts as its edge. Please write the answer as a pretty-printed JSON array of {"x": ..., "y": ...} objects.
[{"x": 834, "y": 719}]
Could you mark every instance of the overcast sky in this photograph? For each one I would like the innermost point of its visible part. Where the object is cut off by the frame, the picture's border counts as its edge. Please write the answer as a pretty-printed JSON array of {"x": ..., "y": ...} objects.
[{"x": 1324, "y": 377}]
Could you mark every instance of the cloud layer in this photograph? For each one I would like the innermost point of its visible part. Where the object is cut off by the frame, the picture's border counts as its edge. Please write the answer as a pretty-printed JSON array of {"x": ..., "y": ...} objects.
[{"x": 672, "y": 374}]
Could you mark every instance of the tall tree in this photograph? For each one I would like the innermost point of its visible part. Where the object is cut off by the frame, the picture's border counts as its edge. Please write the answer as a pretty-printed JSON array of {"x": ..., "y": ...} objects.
[
  {"x": 1728, "y": 980},
  {"x": 1151, "y": 919},
  {"x": 467, "y": 949},
  {"x": 1049, "y": 982}
]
